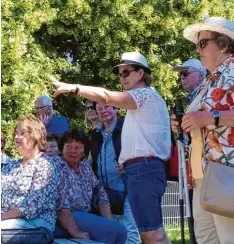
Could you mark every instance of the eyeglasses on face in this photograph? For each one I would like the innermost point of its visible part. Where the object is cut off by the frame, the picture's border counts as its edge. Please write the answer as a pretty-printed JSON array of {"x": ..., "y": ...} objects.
[
  {"x": 20, "y": 134},
  {"x": 88, "y": 107},
  {"x": 125, "y": 73},
  {"x": 203, "y": 42},
  {"x": 38, "y": 108},
  {"x": 186, "y": 73}
]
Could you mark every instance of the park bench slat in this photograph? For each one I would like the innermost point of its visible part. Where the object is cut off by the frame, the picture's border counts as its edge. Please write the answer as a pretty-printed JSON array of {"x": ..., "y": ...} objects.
[
  {"x": 73, "y": 241},
  {"x": 63, "y": 241},
  {"x": 85, "y": 241}
]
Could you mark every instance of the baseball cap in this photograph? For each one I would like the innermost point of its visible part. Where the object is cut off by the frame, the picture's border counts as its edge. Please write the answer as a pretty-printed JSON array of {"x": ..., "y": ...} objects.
[{"x": 191, "y": 63}]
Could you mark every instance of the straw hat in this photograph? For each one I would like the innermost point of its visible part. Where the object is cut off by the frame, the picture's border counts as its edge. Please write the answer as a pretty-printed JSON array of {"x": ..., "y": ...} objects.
[{"x": 216, "y": 24}]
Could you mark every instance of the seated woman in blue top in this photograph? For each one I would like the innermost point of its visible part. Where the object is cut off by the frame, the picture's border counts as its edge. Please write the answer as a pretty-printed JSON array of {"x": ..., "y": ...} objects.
[
  {"x": 77, "y": 184},
  {"x": 30, "y": 184}
]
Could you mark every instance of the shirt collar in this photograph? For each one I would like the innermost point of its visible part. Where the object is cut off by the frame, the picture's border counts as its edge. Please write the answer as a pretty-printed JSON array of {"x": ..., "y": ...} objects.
[
  {"x": 100, "y": 127},
  {"x": 192, "y": 95}
]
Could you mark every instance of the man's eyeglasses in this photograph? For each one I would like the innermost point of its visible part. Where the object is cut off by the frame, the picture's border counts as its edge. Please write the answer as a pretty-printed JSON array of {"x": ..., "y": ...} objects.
[
  {"x": 203, "y": 42},
  {"x": 38, "y": 108},
  {"x": 186, "y": 73},
  {"x": 125, "y": 73}
]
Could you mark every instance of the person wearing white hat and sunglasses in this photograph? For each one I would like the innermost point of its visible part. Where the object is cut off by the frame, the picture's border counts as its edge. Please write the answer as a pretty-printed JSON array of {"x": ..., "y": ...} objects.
[
  {"x": 212, "y": 113},
  {"x": 146, "y": 140}
]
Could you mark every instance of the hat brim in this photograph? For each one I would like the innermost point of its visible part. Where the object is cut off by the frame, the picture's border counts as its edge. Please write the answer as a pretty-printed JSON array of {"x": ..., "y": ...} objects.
[
  {"x": 180, "y": 67},
  {"x": 126, "y": 62},
  {"x": 191, "y": 31}
]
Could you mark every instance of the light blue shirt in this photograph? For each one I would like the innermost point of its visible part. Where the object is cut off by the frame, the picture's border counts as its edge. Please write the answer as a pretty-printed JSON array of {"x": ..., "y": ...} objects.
[{"x": 107, "y": 161}]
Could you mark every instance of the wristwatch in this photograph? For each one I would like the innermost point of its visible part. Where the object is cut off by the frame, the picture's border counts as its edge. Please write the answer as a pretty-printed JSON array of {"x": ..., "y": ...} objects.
[{"x": 216, "y": 115}]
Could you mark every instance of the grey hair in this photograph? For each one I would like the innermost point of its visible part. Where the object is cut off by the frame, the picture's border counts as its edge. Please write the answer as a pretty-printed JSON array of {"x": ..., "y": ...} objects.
[
  {"x": 224, "y": 41},
  {"x": 147, "y": 78}
]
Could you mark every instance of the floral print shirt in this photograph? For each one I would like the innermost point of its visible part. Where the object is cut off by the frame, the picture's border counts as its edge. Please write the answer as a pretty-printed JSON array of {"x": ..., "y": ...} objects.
[
  {"x": 76, "y": 190},
  {"x": 32, "y": 188},
  {"x": 219, "y": 141}
]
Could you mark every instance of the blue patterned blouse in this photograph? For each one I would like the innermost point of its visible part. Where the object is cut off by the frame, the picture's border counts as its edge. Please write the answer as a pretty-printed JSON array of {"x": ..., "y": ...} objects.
[{"x": 32, "y": 188}]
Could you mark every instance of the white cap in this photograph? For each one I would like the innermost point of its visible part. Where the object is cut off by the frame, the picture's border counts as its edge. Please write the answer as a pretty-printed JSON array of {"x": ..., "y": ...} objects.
[
  {"x": 191, "y": 63},
  {"x": 133, "y": 58}
]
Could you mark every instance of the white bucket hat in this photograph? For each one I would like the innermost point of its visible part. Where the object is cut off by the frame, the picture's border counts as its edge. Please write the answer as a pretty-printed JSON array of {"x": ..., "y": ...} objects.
[
  {"x": 191, "y": 63},
  {"x": 216, "y": 24},
  {"x": 133, "y": 58}
]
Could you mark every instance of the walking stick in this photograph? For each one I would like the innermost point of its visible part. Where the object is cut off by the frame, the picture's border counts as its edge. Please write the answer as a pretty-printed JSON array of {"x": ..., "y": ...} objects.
[{"x": 183, "y": 184}]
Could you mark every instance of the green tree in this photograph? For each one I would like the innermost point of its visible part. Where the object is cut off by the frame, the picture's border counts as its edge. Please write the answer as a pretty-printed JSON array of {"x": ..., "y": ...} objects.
[{"x": 38, "y": 37}]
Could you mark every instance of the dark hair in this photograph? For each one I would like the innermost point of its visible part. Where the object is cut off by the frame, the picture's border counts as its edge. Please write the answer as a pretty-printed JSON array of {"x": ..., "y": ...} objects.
[
  {"x": 52, "y": 137},
  {"x": 147, "y": 78},
  {"x": 224, "y": 41},
  {"x": 77, "y": 134},
  {"x": 85, "y": 100}
]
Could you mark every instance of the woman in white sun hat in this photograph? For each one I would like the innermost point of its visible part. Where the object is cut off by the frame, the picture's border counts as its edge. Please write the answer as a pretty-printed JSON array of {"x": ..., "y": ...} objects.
[
  {"x": 145, "y": 138},
  {"x": 212, "y": 113}
]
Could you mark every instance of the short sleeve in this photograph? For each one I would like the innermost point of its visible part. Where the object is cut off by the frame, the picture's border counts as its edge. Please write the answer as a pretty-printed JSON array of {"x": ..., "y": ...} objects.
[{"x": 142, "y": 95}]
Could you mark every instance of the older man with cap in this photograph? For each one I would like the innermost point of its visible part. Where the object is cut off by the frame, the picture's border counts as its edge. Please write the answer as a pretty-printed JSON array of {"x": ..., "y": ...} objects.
[
  {"x": 146, "y": 140},
  {"x": 191, "y": 73},
  {"x": 44, "y": 111}
]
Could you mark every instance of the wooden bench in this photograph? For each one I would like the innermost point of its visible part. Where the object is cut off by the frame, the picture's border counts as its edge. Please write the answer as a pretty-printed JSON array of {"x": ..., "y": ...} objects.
[{"x": 73, "y": 241}]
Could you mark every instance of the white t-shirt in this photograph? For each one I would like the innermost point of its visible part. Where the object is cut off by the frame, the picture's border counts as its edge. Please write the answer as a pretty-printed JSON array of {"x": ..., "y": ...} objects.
[{"x": 146, "y": 130}]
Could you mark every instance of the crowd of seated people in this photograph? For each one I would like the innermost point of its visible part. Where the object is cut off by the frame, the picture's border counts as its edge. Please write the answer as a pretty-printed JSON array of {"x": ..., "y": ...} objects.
[{"x": 52, "y": 186}]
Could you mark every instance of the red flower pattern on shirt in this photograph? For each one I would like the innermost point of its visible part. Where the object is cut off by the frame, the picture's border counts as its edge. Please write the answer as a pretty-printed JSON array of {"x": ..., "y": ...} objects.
[
  {"x": 230, "y": 99},
  {"x": 221, "y": 107},
  {"x": 214, "y": 142},
  {"x": 230, "y": 138},
  {"x": 217, "y": 94},
  {"x": 219, "y": 141}
]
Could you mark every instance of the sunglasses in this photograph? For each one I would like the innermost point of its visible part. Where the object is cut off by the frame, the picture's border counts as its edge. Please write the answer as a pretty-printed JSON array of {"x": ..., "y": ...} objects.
[
  {"x": 203, "y": 42},
  {"x": 125, "y": 73},
  {"x": 88, "y": 107},
  {"x": 186, "y": 73}
]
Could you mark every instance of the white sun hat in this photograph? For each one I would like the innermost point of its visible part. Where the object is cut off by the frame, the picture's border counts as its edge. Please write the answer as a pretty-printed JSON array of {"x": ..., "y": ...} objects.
[
  {"x": 191, "y": 63},
  {"x": 216, "y": 24},
  {"x": 133, "y": 58}
]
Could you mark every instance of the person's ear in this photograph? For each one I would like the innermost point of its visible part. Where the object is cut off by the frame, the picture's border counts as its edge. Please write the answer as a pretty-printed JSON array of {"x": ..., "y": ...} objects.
[
  {"x": 141, "y": 73},
  {"x": 50, "y": 109},
  {"x": 201, "y": 76}
]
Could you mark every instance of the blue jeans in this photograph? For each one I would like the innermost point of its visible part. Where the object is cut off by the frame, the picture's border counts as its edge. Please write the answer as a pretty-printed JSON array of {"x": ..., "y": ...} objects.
[
  {"x": 146, "y": 184},
  {"x": 25, "y": 223},
  {"x": 99, "y": 228},
  {"x": 128, "y": 221}
]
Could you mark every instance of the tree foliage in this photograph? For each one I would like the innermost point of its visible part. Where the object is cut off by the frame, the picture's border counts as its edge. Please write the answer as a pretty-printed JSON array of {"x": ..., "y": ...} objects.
[{"x": 39, "y": 36}]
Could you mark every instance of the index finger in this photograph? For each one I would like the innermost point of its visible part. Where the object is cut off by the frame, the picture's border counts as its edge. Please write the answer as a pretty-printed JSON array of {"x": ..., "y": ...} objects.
[{"x": 55, "y": 82}]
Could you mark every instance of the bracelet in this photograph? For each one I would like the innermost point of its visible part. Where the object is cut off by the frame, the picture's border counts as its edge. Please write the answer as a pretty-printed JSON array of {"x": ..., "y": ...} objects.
[{"x": 77, "y": 89}]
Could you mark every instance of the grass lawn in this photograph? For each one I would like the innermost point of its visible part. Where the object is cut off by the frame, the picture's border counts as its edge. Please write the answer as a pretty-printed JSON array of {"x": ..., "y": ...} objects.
[{"x": 174, "y": 236}]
